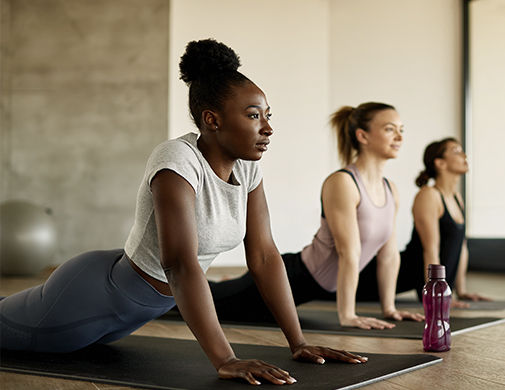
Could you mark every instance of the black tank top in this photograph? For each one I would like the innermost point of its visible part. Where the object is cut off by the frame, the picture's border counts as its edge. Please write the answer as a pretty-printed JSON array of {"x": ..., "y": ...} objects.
[{"x": 452, "y": 235}]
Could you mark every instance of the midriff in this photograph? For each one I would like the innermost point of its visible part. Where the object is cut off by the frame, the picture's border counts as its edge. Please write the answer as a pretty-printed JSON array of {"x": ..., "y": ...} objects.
[{"x": 161, "y": 287}]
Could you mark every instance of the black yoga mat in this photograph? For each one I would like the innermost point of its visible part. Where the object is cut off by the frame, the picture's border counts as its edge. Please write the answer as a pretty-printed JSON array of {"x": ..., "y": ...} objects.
[
  {"x": 326, "y": 321},
  {"x": 161, "y": 363},
  {"x": 474, "y": 305},
  {"x": 414, "y": 304}
]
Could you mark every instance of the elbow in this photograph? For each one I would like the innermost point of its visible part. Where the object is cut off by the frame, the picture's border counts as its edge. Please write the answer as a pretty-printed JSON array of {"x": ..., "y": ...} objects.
[
  {"x": 348, "y": 257},
  {"x": 178, "y": 271},
  {"x": 260, "y": 263}
]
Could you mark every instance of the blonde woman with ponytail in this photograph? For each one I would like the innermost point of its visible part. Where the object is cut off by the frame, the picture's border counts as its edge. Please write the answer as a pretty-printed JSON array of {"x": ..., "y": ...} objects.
[
  {"x": 357, "y": 225},
  {"x": 438, "y": 236}
]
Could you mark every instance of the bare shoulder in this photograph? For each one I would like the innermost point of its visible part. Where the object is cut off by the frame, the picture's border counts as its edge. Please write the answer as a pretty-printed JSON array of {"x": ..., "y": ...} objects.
[
  {"x": 340, "y": 187},
  {"x": 339, "y": 180},
  {"x": 428, "y": 198},
  {"x": 428, "y": 192}
]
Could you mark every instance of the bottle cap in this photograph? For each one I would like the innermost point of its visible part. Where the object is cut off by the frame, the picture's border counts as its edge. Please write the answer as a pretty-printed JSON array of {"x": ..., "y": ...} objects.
[{"x": 436, "y": 271}]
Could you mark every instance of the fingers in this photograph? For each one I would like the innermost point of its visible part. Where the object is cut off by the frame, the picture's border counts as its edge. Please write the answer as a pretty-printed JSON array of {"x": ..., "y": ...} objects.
[
  {"x": 366, "y": 323},
  {"x": 396, "y": 316},
  {"x": 460, "y": 305},
  {"x": 251, "y": 379},
  {"x": 343, "y": 356},
  {"x": 252, "y": 370},
  {"x": 305, "y": 354},
  {"x": 475, "y": 297},
  {"x": 374, "y": 323},
  {"x": 405, "y": 315},
  {"x": 317, "y": 354}
]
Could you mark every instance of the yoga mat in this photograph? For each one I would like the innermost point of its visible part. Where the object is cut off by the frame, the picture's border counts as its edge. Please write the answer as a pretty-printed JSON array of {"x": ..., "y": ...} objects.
[
  {"x": 326, "y": 321},
  {"x": 161, "y": 363},
  {"x": 474, "y": 305},
  {"x": 416, "y": 305}
]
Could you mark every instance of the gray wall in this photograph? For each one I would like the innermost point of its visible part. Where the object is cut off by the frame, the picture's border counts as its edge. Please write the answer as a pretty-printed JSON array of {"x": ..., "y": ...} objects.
[{"x": 84, "y": 89}]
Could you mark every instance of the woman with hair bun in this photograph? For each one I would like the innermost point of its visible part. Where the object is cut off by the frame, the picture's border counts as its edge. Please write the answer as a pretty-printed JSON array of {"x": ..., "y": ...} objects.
[
  {"x": 200, "y": 195},
  {"x": 357, "y": 225},
  {"x": 438, "y": 236}
]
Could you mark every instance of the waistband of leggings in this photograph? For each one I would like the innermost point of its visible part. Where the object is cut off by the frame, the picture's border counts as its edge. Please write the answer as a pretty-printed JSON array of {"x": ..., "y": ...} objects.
[{"x": 135, "y": 287}]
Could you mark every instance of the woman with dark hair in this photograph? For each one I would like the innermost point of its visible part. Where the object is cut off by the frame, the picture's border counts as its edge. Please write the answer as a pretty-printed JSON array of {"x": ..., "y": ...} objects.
[
  {"x": 357, "y": 225},
  {"x": 200, "y": 195},
  {"x": 438, "y": 236}
]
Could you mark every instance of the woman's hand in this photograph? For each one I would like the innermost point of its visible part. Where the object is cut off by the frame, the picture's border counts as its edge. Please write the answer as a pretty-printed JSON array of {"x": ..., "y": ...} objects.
[
  {"x": 313, "y": 354},
  {"x": 366, "y": 323},
  {"x": 473, "y": 297},
  {"x": 252, "y": 369},
  {"x": 455, "y": 304},
  {"x": 462, "y": 301},
  {"x": 403, "y": 315}
]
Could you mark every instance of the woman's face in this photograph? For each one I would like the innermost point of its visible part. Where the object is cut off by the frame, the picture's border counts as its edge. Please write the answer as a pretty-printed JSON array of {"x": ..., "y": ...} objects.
[
  {"x": 385, "y": 134},
  {"x": 455, "y": 158},
  {"x": 243, "y": 126}
]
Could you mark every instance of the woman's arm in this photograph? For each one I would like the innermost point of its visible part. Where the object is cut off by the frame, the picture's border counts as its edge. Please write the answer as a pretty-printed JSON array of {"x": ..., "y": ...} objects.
[
  {"x": 388, "y": 265},
  {"x": 427, "y": 210},
  {"x": 461, "y": 272},
  {"x": 174, "y": 207},
  {"x": 461, "y": 278},
  {"x": 267, "y": 269},
  {"x": 340, "y": 200}
]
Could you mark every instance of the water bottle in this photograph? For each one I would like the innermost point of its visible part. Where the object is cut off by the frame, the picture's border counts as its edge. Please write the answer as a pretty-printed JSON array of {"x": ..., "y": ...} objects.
[{"x": 437, "y": 305}]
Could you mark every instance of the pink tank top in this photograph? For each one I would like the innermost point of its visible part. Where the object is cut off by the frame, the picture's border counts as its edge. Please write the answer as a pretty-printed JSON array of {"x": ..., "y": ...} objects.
[{"x": 375, "y": 228}]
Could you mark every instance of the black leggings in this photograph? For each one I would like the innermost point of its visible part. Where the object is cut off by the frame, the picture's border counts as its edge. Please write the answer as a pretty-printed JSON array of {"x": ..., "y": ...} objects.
[
  {"x": 239, "y": 299},
  {"x": 410, "y": 277}
]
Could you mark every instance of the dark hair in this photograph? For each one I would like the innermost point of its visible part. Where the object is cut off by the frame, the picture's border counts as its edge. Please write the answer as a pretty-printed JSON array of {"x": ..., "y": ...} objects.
[
  {"x": 431, "y": 153},
  {"x": 209, "y": 68},
  {"x": 347, "y": 120}
]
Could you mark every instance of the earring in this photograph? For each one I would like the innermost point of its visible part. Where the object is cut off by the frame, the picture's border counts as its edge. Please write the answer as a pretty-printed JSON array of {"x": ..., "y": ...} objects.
[{"x": 216, "y": 127}]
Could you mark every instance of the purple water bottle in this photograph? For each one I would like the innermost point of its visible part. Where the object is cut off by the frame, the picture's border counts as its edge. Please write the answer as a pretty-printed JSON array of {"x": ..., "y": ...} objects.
[{"x": 437, "y": 305}]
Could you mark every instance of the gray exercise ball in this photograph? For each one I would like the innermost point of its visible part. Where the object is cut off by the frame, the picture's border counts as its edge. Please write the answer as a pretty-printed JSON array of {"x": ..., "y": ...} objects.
[{"x": 27, "y": 238}]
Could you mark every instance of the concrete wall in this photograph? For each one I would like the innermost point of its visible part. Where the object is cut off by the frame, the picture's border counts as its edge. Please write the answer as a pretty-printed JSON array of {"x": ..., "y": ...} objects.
[{"x": 84, "y": 100}]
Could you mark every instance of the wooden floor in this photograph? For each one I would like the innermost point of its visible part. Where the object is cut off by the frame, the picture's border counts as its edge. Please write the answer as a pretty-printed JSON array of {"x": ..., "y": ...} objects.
[{"x": 476, "y": 360}]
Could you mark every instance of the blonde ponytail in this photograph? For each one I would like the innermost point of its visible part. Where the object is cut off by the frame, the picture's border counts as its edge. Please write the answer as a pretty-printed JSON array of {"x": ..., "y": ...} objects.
[{"x": 340, "y": 123}]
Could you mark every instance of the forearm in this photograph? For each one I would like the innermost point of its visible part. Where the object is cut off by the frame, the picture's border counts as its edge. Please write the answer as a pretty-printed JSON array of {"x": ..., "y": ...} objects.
[
  {"x": 272, "y": 282},
  {"x": 194, "y": 300},
  {"x": 430, "y": 256},
  {"x": 461, "y": 272},
  {"x": 347, "y": 284},
  {"x": 387, "y": 274}
]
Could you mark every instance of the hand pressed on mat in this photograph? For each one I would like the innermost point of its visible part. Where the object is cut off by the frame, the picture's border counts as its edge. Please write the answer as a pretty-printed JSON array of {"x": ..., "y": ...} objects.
[
  {"x": 400, "y": 315},
  {"x": 365, "y": 323},
  {"x": 252, "y": 369},
  {"x": 317, "y": 354}
]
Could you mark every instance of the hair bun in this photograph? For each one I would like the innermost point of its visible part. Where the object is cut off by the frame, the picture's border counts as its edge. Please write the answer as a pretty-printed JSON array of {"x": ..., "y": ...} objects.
[
  {"x": 206, "y": 58},
  {"x": 423, "y": 178}
]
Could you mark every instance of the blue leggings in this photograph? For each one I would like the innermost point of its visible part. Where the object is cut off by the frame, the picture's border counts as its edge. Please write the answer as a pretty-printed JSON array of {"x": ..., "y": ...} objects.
[{"x": 96, "y": 297}]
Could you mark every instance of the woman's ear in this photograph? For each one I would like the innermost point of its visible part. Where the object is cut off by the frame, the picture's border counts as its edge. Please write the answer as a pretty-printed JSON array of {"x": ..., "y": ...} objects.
[
  {"x": 210, "y": 120},
  {"x": 362, "y": 136},
  {"x": 439, "y": 163}
]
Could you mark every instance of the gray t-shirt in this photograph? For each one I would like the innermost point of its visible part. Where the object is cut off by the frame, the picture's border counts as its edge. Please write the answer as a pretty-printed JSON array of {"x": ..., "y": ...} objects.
[{"x": 220, "y": 207}]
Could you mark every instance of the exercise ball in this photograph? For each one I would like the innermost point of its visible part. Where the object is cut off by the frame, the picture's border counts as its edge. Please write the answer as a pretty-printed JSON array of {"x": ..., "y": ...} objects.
[{"x": 27, "y": 238}]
